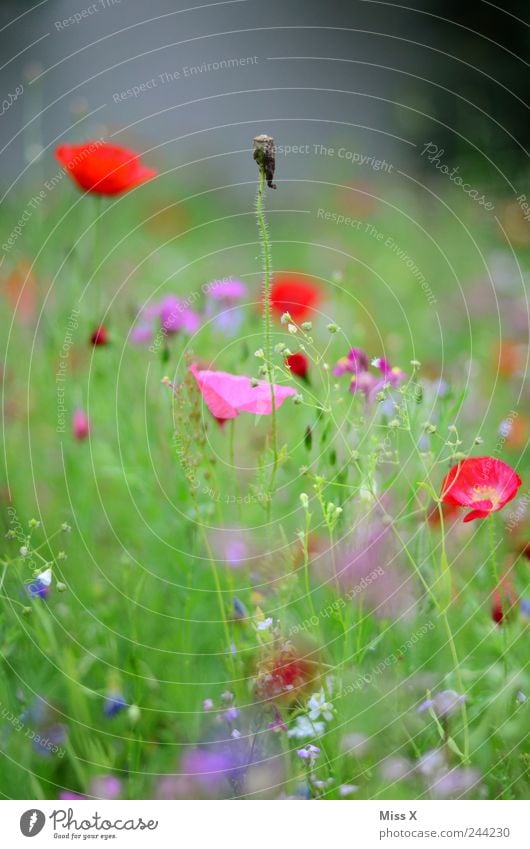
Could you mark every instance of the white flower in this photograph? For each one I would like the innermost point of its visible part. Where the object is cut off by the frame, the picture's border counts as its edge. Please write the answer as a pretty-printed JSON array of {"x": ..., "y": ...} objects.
[
  {"x": 45, "y": 577},
  {"x": 305, "y": 728},
  {"x": 264, "y": 625},
  {"x": 319, "y": 707}
]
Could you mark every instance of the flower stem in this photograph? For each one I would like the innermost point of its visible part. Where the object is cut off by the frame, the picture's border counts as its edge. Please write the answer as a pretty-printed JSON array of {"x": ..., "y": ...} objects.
[
  {"x": 266, "y": 255},
  {"x": 97, "y": 258},
  {"x": 498, "y": 585}
]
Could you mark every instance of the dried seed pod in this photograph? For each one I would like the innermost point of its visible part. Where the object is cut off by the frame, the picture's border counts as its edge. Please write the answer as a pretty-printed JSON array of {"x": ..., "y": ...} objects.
[{"x": 264, "y": 153}]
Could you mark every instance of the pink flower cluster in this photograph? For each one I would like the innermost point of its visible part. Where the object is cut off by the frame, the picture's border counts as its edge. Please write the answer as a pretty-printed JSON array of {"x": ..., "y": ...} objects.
[{"x": 362, "y": 379}]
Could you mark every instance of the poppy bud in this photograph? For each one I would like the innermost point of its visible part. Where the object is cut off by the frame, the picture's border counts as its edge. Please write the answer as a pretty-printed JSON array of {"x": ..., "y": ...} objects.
[
  {"x": 264, "y": 153},
  {"x": 80, "y": 424},
  {"x": 99, "y": 336},
  {"x": 503, "y": 603},
  {"x": 298, "y": 364}
]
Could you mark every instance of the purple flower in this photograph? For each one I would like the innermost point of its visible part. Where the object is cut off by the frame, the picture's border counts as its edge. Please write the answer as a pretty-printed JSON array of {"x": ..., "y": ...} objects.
[
  {"x": 223, "y": 305},
  {"x": 176, "y": 316},
  {"x": 369, "y": 568},
  {"x": 106, "y": 787},
  {"x": 395, "y": 769},
  {"x": 227, "y": 290},
  {"x": 392, "y": 375},
  {"x": 173, "y": 315},
  {"x": 455, "y": 783},
  {"x": 44, "y": 727},
  {"x": 309, "y": 753},
  {"x": 444, "y": 704},
  {"x": 431, "y": 763},
  {"x": 208, "y": 767},
  {"x": 70, "y": 796},
  {"x": 363, "y": 380},
  {"x": 232, "y": 546},
  {"x": 114, "y": 703},
  {"x": 231, "y": 714},
  {"x": 277, "y": 724},
  {"x": 354, "y": 362},
  {"x": 41, "y": 585},
  {"x": 48, "y": 741},
  {"x": 142, "y": 334}
]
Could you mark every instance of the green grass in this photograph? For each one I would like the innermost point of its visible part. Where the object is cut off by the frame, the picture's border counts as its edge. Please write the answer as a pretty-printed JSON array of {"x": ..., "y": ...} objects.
[{"x": 140, "y": 610}]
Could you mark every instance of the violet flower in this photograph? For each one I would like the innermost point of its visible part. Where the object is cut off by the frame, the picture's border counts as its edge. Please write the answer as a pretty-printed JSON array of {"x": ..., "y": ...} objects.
[
  {"x": 40, "y": 586},
  {"x": 365, "y": 381},
  {"x": 173, "y": 316},
  {"x": 223, "y": 304},
  {"x": 106, "y": 787},
  {"x": 444, "y": 704}
]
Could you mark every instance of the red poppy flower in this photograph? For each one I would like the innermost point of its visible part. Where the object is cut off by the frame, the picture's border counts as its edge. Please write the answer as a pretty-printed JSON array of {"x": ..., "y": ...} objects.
[
  {"x": 483, "y": 483},
  {"x": 103, "y": 168},
  {"x": 286, "y": 673},
  {"x": 296, "y": 294},
  {"x": 299, "y": 364},
  {"x": 99, "y": 336}
]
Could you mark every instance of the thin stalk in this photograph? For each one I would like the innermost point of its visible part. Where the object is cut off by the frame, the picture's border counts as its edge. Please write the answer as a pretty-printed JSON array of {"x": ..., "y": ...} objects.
[
  {"x": 96, "y": 258},
  {"x": 497, "y": 585},
  {"x": 306, "y": 561},
  {"x": 267, "y": 268}
]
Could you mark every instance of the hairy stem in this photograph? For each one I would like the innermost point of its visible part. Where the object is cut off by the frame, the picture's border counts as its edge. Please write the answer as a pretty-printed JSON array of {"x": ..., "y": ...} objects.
[{"x": 266, "y": 255}]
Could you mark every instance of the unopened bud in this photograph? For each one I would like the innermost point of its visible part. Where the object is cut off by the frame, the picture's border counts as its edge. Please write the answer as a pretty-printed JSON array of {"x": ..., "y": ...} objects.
[{"x": 264, "y": 153}]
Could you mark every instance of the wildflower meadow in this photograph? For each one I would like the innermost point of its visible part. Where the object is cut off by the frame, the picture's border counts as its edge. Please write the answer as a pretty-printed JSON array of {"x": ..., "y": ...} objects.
[{"x": 265, "y": 483}]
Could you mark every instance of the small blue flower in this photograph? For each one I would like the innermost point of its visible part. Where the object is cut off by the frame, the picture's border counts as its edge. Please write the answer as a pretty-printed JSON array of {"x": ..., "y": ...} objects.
[
  {"x": 40, "y": 586},
  {"x": 239, "y": 611},
  {"x": 50, "y": 739},
  {"x": 114, "y": 703}
]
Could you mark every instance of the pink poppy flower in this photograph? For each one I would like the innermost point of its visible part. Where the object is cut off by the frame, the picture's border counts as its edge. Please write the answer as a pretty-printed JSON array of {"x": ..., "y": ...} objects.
[
  {"x": 228, "y": 395},
  {"x": 484, "y": 483}
]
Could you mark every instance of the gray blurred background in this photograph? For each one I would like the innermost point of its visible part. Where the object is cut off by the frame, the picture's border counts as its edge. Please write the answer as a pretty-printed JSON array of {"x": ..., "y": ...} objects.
[{"x": 373, "y": 76}]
